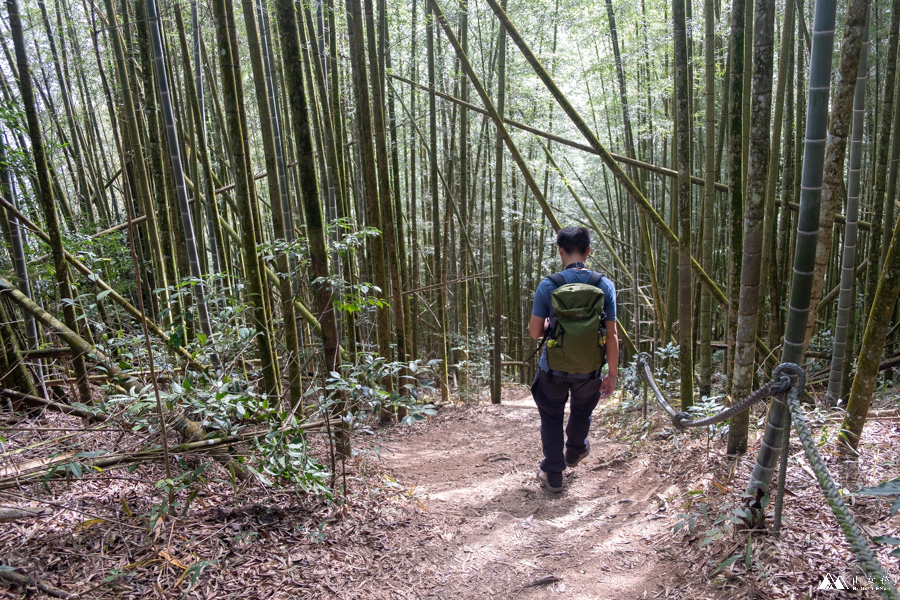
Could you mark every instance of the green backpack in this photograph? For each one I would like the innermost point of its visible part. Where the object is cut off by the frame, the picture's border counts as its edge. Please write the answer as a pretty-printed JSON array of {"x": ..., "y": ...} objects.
[{"x": 577, "y": 336}]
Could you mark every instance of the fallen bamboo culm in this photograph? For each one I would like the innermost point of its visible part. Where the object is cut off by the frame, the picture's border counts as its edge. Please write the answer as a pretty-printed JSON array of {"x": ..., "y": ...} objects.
[
  {"x": 11, "y": 514},
  {"x": 95, "y": 279},
  {"x": 189, "y": 430},
  {"x": 14, "y": 576},
  {"x": 37, "y": 402},
  {"x": 124, "y": 459}
]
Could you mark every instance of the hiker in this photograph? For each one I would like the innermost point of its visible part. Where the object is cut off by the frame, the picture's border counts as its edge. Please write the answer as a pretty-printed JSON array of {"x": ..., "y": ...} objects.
[{"x": 571, "y": 311}]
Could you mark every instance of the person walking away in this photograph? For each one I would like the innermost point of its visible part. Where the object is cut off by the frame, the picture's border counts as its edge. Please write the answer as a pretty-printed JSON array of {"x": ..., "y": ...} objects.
[{"x": 575, "y": 312}]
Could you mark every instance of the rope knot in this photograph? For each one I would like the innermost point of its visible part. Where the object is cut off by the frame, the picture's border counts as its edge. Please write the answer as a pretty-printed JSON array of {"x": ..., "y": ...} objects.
[
  {"x": 644, "y": 358},
  {"x": 680, "y": 420},
  {"x": 781, "y": 386}
]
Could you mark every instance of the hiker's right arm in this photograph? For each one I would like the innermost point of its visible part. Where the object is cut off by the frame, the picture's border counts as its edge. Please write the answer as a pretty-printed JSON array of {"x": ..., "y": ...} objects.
[
  {"x": 540, "y": 311},
  {"x": 538, "y": 326}
]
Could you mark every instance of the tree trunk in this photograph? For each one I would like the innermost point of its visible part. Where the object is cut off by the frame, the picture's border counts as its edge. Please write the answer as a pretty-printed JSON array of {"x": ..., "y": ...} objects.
[
  {"x": 187, "y": 225},
  {"x": 754, "y": 212},
  {"x": 240, "y": 163},
  {"x": 45, "y": 195},
  {"x": 807, "y": 229},
  {"x": 685, "y": 209}
]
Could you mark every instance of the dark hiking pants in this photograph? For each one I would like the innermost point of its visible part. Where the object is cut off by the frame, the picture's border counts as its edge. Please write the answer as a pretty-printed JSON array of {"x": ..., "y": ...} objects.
[{"x": 550, "y": 391}]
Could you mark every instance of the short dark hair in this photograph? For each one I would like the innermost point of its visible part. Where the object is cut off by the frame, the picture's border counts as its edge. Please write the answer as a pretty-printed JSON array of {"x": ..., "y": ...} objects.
[{"x": 574, "y": 240}]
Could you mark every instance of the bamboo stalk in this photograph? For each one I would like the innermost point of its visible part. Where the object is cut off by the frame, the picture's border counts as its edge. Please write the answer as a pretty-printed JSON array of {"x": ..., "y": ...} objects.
[
  {"x": 37, "y": 402},
  {"x": 495, "y": 116},
  {"x": 188, "y": 429},
  {"x": 172, "y": 138},
  {"x": 45, "y": 191},
  {"x": 645, "y": 166},
  {"x": 96, "y": 280},
  {"x": 613, "y": 165}
]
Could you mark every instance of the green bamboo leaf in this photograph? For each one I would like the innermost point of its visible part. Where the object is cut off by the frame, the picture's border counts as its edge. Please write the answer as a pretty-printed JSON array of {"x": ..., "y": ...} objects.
[
  {"x": 886, "y": 539},
  {"x": 887, "y": 488},
  {"x": 725, "y": 564}
]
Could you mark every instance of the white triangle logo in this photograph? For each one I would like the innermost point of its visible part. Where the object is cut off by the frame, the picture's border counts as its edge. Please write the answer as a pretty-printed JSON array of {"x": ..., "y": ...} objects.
[
  {"x": 826, "y": 583},
  {"x": 839, "y": 583}
]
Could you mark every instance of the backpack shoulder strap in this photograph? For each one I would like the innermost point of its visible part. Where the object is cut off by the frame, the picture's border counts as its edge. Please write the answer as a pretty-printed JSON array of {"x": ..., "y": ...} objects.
[
  {"x": 595, "y": 278},
  {"x": 557, "y": 279}
]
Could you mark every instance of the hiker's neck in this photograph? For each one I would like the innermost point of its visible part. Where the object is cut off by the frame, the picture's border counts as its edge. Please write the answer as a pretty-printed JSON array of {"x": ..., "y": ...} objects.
[{"x": 568, "y": 259}]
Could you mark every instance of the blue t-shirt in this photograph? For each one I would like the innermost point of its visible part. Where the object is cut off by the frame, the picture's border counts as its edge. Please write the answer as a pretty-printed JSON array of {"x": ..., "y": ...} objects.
[{"x": 546, "y": 288}]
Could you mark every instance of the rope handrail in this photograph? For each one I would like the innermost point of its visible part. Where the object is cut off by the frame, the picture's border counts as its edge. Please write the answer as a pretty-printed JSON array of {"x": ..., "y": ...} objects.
[
  {"x": 788, "y": 380},
  {"x": 855, "y": 537},
  {"x": 684, "y": 420}
]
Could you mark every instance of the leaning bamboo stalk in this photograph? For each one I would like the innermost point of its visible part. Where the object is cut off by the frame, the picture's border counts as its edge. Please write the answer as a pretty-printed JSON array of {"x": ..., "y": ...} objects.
[
  {"x": 97, "y": 281},
  {"x": 495, "y": 116},
  {"x": 189, "y": 430},
  {"x": 644, "y": 166},
  {"x": 613, "y": 165},
  {"x": 599, "y": 230},
  {"x": 459, "y": 217},
  {"x": 124, "y": 459},
  {"x": 75, "y": 341},
  {"x": 136, "y": 221},
  {"x": 37, "y": 402}
]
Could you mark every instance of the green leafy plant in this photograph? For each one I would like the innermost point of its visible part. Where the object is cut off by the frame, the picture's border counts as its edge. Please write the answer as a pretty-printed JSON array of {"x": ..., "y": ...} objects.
[
  {"x": 361, "y": 385},
  {"x": 886, "y": 489}
]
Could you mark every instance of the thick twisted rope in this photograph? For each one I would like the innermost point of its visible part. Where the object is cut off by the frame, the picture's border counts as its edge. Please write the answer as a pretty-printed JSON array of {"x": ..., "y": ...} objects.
[
  {"x": 683, "y": 420},
  {"x": 643, "y": 365},
  {"x": 852, "y": 532},
  {"x": 782, "y": 383}
]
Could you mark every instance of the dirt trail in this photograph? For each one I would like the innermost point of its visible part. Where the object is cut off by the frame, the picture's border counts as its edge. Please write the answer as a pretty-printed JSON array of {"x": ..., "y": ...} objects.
[{"x": 502, "y": 535}]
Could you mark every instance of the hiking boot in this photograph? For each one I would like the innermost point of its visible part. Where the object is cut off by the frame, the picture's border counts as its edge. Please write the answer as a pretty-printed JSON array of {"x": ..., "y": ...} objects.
[
  {"x": 572, "y": 461},
  {"x": 546, "y": 478}
]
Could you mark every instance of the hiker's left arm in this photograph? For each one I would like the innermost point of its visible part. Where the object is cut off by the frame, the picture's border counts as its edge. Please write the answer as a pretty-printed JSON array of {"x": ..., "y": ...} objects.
[{"x": 612, "y": 359}]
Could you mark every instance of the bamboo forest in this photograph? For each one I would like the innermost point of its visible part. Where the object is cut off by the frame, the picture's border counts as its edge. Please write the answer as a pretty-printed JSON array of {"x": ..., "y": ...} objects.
[{"x": 294, "y": 295}]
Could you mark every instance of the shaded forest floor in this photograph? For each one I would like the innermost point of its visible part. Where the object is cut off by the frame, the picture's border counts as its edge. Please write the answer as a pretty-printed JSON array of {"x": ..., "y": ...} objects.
[{"x": 450, "y": 508}]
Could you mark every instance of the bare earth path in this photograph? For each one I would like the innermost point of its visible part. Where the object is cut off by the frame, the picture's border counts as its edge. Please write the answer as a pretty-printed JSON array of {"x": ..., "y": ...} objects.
[{"x": 504, "y": 536}]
